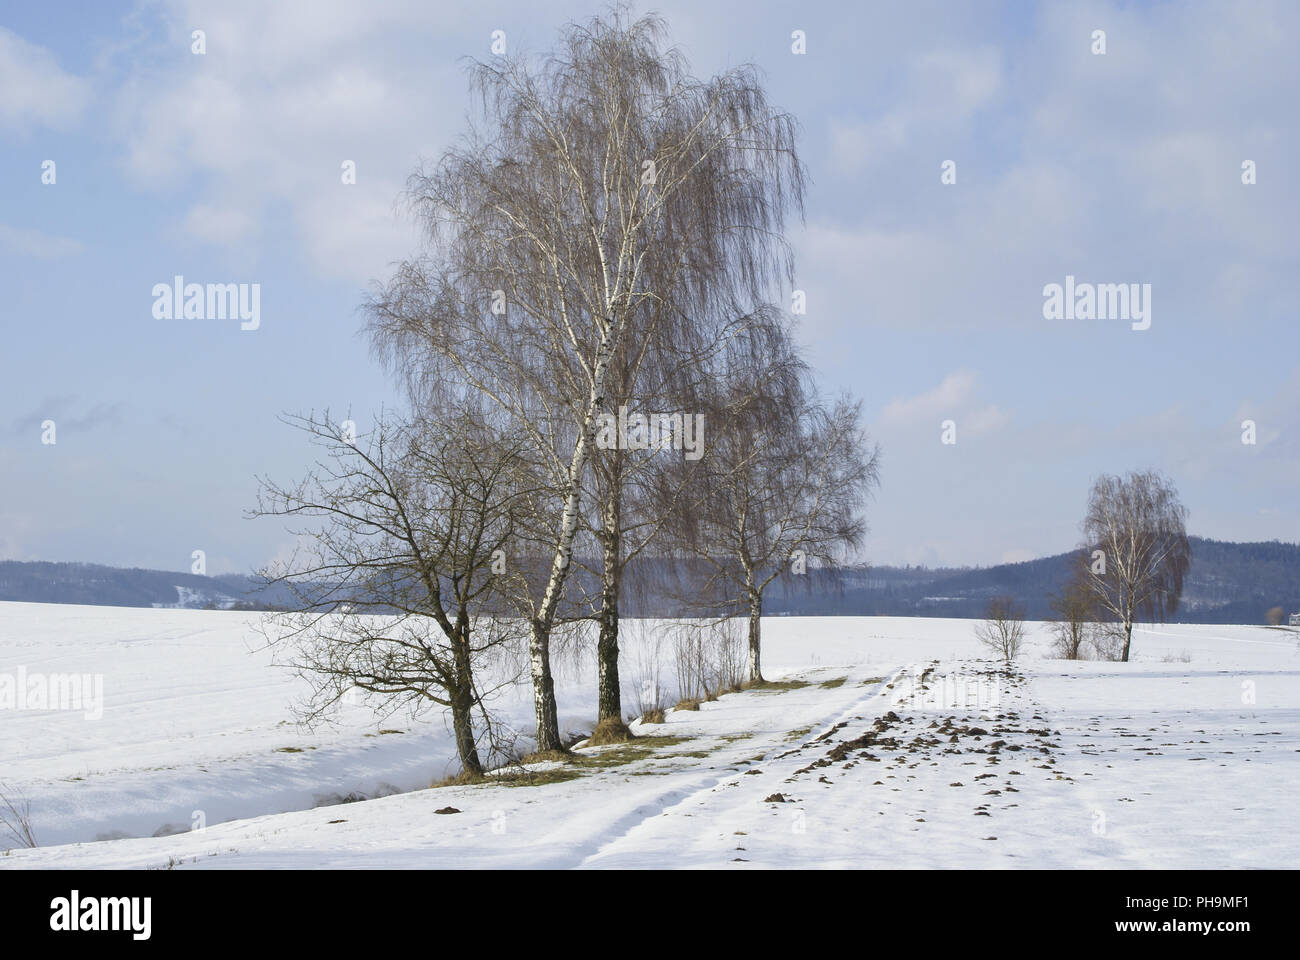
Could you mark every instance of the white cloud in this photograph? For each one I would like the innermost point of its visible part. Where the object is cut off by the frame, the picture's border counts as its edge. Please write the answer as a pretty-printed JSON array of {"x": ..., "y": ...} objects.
[
  {"x": 32, "y": 243},
  {"x": 944, "y": 90},
  {"x": 221, "y": 225},
  {"x": 34, "y": 89},
  {"x": 971, "y": 78},
  {"x": 953, "y": 399},
  {"x": 262, "y": 123},
  {"x": 941, "y": 402},
  {"x": 855, "y": 146}
]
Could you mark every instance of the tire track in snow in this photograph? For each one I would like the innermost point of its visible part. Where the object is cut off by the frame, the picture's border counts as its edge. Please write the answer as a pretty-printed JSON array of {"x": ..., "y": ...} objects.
[{"x": 680, "y": 799}]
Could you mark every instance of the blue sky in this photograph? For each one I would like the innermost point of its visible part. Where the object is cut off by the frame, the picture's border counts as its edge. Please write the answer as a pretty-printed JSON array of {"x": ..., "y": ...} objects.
[{"x": 924, "y": 299}]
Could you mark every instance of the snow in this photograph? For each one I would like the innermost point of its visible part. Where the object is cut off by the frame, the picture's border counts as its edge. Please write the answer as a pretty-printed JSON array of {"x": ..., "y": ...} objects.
[
  {"x": 187, "y": 598},
  {"x": 931, "y": 757}
]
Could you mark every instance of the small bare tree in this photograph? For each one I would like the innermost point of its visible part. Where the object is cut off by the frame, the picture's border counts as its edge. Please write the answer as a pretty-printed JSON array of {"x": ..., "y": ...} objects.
[
  {"x": 1136, "y": 531},
  {"x": 781, "y": 486},
  {"x": 1074, "y": 613},
  {"x": 1003, "y": 629},
  {"x": 396, "y": 590},
  {"x": 1275, "y": 616}
]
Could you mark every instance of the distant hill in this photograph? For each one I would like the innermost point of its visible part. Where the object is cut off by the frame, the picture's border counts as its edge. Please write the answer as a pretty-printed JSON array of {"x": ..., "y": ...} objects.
[
  {"x": 1227, "y": 583},
  {"x": 119, "y": 587}
]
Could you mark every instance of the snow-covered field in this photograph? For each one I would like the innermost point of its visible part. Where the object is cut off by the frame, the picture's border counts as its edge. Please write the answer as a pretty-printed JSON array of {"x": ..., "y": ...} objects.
[{"x": 897, "y": 745}]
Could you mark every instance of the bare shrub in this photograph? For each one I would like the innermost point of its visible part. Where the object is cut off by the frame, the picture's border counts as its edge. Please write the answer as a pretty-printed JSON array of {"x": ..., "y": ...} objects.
[
  {"x": 729, "y": 656},
  {"x": 690, "y": 651},
  {"x": 16, "y": 817},
  {"x": 1108, "y": 641},
  {"x": 1074, "y": 612},
  {"x": 1003, "y": 630},
  {"x": 644, "y": 642},
  {"x": 711, "y": 657}
]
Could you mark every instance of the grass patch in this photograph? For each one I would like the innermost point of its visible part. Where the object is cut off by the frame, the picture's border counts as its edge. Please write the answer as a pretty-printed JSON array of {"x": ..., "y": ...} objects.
[
  {"x": 719, "y": 692},
  {"x": 461, "y": 779},
  {"x": 699, "y": 753},
  {"x": 872, "y": 681},
  {"x": 616, "y": 757},
  {"x": 537, "y": 778},
  {"x": 688, "y": 704},
  {"x": 292, "y": 749},
  {"x": 610, "y": 730},
  {"x": 573, "y": 764},
  {"x": 832, "y": 684},
  {"x": 654, "y": 742},
  {"x": 799, "y": 734},
  {"x": 558, "y": 756},
  {"x": 777, "y": 686}
]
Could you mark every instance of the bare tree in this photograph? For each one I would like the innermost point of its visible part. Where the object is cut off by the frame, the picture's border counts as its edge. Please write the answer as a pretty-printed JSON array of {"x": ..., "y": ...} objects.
[
  {"x": 601, "y": 185},
  {"x": 396, "y": 589},
  {"x": 782, "y": 485},
  {"x": 646, "y": 463},
  {"x": 1135, "y": 530},
  {"x": 1074, "y": 610},
  {"x": 1003, "y": 629},
  {"x": 1275, "y": 616}
]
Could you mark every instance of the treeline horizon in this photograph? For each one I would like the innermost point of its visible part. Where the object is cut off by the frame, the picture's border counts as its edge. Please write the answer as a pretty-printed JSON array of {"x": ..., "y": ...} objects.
[{"x": 1229, "y": 582}]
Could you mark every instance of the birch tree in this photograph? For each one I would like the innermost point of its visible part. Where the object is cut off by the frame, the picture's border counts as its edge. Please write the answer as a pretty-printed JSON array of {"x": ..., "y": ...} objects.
[
  {"x": 597, "y": 185},
  {"x": 783, "y": 483},
  {"x": 642, "y": 479},
  {"x": 1135, "y": 531}
]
